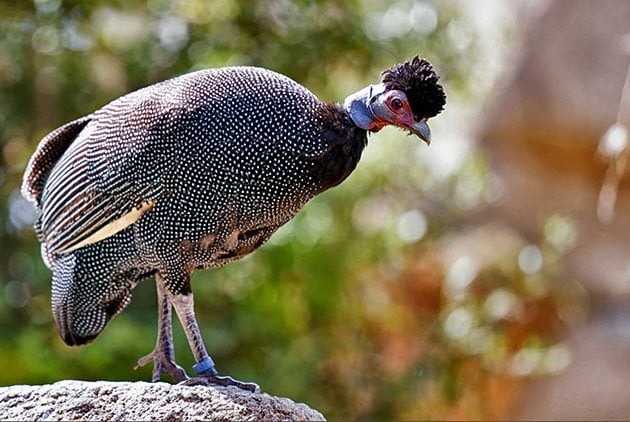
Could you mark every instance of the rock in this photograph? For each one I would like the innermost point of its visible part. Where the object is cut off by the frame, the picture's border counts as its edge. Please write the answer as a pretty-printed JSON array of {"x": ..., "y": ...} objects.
[{"x": 102, "y": 400}]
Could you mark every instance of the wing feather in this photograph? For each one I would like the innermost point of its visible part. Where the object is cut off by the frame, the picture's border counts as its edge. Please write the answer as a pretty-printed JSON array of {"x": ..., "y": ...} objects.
[
  {"x": 102, "y": 184},
  {"x": 48, "y": 152},
  {"x": 107, "y": 230}
]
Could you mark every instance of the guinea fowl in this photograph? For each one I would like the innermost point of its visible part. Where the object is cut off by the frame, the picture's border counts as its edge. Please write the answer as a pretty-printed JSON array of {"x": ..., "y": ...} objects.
[{"x": 192, "y": 173}]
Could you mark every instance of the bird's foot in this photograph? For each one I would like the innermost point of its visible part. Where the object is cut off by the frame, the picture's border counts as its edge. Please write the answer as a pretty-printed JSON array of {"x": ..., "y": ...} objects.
[
  {"x": 222, "y": 380},
  {"x": 207, "y": 375},
  {"x": 162, "y": 364}
]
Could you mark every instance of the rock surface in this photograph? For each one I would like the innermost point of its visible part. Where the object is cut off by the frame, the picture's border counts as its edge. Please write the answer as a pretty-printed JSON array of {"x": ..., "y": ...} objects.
[{"x": 101, "y": 400}]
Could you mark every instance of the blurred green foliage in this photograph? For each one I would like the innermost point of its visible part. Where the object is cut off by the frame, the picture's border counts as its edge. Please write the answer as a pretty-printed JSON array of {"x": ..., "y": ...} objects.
[{"x": 352, "y": 307}]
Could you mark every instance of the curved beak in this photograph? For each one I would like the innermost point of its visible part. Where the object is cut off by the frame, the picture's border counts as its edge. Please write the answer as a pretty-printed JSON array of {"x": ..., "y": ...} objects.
[{"x": 421, "y": 129}]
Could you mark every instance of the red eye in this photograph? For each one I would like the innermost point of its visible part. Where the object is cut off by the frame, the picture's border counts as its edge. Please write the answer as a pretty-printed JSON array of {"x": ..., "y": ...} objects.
[{"x": 396, "y": 104}]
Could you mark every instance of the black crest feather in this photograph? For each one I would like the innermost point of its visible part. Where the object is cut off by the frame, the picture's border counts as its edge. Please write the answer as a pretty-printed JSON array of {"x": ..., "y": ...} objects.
[{"x": 420, "y": 82}]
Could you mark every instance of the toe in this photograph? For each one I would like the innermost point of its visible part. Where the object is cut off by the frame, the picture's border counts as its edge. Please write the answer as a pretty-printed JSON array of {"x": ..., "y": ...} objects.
[{"x": 223, "y": 381}]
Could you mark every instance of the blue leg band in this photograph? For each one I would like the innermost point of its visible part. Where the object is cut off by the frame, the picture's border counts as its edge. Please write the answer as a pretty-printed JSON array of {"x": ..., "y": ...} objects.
[{"x": 206, "y": 365}]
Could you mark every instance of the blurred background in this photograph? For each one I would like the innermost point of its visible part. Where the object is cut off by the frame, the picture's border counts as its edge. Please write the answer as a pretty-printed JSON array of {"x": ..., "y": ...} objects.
[{"x": 485, "y": 277}]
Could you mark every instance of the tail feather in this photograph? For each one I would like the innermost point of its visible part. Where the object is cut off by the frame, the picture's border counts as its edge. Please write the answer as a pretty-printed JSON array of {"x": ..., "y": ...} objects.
[{"x": 87, "y": 292}]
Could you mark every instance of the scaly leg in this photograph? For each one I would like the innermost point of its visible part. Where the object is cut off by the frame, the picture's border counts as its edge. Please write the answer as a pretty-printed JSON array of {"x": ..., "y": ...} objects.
[
  {"x": 163, "y": 356},
  {"x": 207, "y": 374}
]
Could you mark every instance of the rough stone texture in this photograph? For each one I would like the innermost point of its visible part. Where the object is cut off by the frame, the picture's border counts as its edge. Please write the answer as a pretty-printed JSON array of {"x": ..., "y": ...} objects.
[{"x": 119, "y": 401}]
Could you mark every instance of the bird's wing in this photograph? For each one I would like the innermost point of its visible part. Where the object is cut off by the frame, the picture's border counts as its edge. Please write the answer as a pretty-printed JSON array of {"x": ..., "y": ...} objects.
[
  {"x": 112, "y": 173},
  {"x": 50, "y": 149}
]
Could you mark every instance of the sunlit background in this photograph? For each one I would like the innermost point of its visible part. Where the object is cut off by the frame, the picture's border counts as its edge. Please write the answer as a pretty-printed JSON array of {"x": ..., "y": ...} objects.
[{"x": 442, "y": 282}]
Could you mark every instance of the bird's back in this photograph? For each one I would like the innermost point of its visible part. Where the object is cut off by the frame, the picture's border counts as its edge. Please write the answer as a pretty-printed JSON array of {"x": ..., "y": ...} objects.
[{"x": 203, "y": 155}]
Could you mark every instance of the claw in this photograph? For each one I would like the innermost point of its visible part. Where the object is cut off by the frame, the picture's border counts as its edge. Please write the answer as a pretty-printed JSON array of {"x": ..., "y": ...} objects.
[
  {"x": 162, "y": 365},
  {"x": 222, "y": 380}
]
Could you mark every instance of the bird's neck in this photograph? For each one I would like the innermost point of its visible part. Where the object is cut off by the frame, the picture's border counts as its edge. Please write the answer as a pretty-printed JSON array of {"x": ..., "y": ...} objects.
[
  {"x": 339, "y": 127},
  {"x": 345, "y": 142}
]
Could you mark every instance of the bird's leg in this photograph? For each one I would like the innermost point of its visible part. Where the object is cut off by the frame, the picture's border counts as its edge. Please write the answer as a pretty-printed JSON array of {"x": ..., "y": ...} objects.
[
  {"x": 163, "y": 356},
  {"x": 207, "y": 374}
]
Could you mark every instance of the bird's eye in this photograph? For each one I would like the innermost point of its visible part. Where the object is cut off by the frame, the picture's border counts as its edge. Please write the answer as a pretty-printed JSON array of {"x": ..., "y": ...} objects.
[{"x": 396, "y": 104}]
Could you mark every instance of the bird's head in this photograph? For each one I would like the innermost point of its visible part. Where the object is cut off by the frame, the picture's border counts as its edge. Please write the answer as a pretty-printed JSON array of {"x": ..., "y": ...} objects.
[{"x": 408, "y": 95}]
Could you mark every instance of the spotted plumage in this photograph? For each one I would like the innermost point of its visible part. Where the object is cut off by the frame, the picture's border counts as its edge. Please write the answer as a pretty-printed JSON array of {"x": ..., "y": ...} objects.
[{"x": 191, "y": 173}]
